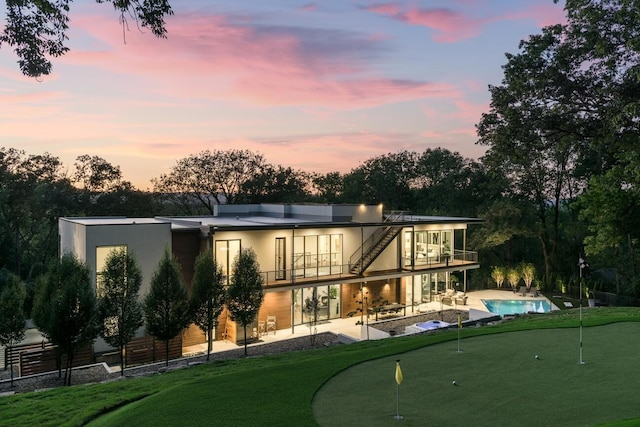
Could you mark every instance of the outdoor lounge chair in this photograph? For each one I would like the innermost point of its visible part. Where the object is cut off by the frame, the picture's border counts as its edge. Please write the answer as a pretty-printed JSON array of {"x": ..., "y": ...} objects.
[
  {"x": 523, "y": 291},
  {"x": 461, "y": 299},
  {"x": 533, "y": 291}
]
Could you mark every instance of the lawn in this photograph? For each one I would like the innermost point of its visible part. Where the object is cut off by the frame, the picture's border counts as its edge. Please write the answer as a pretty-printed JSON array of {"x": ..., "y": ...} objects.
[{"x": 280, "y": 390}]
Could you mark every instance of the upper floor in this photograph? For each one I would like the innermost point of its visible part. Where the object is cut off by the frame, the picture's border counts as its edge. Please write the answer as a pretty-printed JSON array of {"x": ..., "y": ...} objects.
[{"x": 296, "y": 245}]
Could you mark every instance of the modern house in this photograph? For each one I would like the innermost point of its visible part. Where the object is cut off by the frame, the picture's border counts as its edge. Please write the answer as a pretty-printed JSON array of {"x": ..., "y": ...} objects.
[{"x": 337, "y": 254}]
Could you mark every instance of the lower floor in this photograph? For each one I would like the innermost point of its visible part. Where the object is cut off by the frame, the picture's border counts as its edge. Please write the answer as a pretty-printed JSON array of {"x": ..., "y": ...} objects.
[
  {"x": 350, "y": 328},
  {"x": 315, "y": 304}
]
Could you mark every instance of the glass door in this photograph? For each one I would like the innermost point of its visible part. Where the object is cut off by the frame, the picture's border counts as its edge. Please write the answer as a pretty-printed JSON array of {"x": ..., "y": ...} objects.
[{"x": 281, "y": 259}]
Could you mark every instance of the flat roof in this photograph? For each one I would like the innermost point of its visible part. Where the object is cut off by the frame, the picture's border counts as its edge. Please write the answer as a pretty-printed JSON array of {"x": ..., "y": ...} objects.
[{"x": 113, "y": 220}]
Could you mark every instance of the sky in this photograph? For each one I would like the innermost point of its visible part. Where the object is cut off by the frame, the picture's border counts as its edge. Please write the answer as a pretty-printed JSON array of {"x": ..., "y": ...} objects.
[{"x": 317, "y": 86}]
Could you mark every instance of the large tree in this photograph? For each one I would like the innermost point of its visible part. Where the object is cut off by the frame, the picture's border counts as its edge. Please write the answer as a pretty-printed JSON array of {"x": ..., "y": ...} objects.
[
  {"x": 207, "y": 295},
  {"x": 119, "y": 311},
  {"x": 383, "y": 179},
  {"x": 277, "y": 184},
  {"x": 166, "y": 306},
  {"x": 245, "y": 293},
  {"x": 33, "y": 194},
  {"x": 200, "y": 181},
  {"x": 12, "y": 325},
  {"x": 535, "y": 132},
  {"x": 65, "y": 308},
  {"x": 37, "y": 29}
]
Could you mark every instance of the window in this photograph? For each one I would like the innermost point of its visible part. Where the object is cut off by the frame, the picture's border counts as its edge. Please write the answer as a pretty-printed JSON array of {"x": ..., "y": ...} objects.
[
  {"x": 225, "y": 253},
  {"x": 102, "y": 253},
  {"x": 317, "y": 255}
]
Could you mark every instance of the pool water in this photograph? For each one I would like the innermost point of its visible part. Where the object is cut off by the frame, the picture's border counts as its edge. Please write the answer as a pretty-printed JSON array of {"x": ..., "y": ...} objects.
[{"x": 503, "y": 307}]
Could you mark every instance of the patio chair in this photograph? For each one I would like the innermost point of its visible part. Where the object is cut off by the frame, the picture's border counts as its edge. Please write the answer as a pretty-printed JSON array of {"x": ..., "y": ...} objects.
[
  {"x": 523, "y": 291},
  {"x": 533, "y": 291},
  {"x": 271, "y": 324},
  {"x": 461, "y": 299}
]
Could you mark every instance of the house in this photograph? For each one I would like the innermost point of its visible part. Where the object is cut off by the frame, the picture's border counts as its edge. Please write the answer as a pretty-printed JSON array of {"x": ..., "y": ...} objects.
[{"x": 334, "y": 253}]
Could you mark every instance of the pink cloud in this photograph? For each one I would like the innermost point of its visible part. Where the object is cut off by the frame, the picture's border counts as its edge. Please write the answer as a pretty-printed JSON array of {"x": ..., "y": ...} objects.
[
  {"x": 311, "y": 7},
  {"x": 385, "y": 9},
  {"x": 247, "y": 63},
  {"x": 450, "y": 26}
]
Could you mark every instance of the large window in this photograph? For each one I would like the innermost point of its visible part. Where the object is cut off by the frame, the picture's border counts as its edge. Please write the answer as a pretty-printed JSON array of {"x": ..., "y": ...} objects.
[
  {"x": 226, "y": 252},
  {"x": 427, "y": 247},
  {"x": 328, "y": 304},
  {"x": 317, "y": 255},
  {"x": 102, "y": 253}
]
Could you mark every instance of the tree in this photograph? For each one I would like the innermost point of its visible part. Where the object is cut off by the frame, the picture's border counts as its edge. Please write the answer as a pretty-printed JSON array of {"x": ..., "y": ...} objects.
[
  {"x": 446, "y": 183},
  {"x": 513, "y": 277},
  {"x": 245, "y": 293},
  {"x": 528, "y": 273},
  {"x": 207, "y": 295},
  {"x": 119, "y": 311},
  {"x": 166, "y": 306},
  {"x": 498, "y": 274},
  {"x": 12, "y": 325},
  {"x": 200, "y": 181},
  {"x": 327, "y": 188},
  {"x": 37, "y": 29},
  {"x": 65, "y": 308},
  {"x": 277, "y": 184},
  {"x": 384, "y": 179},
  {"x": 310, "y": 310},
  {"x": 33, "y": 194}
]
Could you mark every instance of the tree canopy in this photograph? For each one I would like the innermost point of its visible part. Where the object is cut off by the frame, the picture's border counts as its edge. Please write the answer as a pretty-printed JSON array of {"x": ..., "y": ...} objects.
[
  {"x": 207, "y": 294},
  {"x": 37, "y": 30},
  {"x": 65, "y": 307},
  {"x": 245, "y": 294},
  {"x": 119, "y": 311},
  {"x": 166, "y": 306}
]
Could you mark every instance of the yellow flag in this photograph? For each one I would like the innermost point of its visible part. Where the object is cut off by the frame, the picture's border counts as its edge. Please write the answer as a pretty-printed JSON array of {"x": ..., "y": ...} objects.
[
  {"x": 459, "y": 321},
  {"x": 399, "y": 377}
]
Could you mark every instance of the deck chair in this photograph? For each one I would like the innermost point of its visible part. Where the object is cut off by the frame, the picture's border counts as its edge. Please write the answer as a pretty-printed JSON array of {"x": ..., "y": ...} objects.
[
  {"x": 271, "y": 324},
  {"x": 523, "y": 291},
  {"x": 533, "y": 291}
]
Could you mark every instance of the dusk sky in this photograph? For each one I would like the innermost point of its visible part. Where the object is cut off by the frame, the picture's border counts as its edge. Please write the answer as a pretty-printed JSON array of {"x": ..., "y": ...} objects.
[{"x": 318, "y": 86}]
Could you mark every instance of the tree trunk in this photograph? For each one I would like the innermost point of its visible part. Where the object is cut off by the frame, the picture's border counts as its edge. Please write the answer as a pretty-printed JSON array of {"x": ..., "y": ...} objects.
[
  {"x": 209, "y": 344},
  {"x": 122, "y": 356},
  {"x": 10, "y": 363},
  {"x": 69, "y": 369},
  {"x": 245, "y": 340}
]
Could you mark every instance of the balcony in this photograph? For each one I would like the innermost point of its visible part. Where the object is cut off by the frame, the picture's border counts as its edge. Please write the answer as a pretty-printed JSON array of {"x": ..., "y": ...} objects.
[{"x": 333, "y": 274}]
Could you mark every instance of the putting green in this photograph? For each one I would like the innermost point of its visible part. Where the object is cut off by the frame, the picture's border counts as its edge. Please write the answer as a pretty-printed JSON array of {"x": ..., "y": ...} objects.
[{"x": 498, "y": 382}]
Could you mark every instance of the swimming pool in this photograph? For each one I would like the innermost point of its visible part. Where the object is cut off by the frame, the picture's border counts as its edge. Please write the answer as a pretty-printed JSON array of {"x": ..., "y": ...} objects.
[{"x": 507, "y": 306}]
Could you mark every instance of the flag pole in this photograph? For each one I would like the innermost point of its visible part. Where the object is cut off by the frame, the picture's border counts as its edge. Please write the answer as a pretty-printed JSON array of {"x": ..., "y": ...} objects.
[{"x": 459, "y": 328}]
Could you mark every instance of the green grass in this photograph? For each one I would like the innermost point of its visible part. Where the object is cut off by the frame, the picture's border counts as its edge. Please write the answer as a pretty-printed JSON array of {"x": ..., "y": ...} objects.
[{"x": 280, "y": 390}]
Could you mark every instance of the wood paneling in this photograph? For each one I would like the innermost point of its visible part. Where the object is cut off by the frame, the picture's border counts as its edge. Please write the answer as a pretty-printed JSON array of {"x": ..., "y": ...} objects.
[
  {"x": 40, "y": 360},
  {"x": 193, "y": 335},
  {"x": 277, "y": 304},
  {"x": 147, "y": 350}
]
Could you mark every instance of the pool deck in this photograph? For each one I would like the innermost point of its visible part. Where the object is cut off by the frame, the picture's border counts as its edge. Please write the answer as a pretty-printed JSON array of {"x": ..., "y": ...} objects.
[{"x": 347, "y": 327}]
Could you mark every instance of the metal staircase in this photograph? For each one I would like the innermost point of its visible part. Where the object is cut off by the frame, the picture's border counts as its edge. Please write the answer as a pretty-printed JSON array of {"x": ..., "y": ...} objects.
[{"x": 374, "y": 245}]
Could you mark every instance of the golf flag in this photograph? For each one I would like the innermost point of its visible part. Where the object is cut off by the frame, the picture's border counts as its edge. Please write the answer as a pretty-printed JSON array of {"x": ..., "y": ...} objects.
[
  {"x": 459, "y": 321},
  {"x": 399, "y": 377}
]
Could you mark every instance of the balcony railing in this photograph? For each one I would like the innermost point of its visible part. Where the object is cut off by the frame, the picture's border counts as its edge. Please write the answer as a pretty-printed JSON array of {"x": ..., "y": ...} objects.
[{"x": 336, "y": 272}]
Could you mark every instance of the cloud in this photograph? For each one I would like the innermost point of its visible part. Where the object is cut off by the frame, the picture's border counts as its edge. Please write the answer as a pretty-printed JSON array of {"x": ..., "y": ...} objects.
[
  {"x": 450, "y": 26},
  {"x": 240, "y": 60}
]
